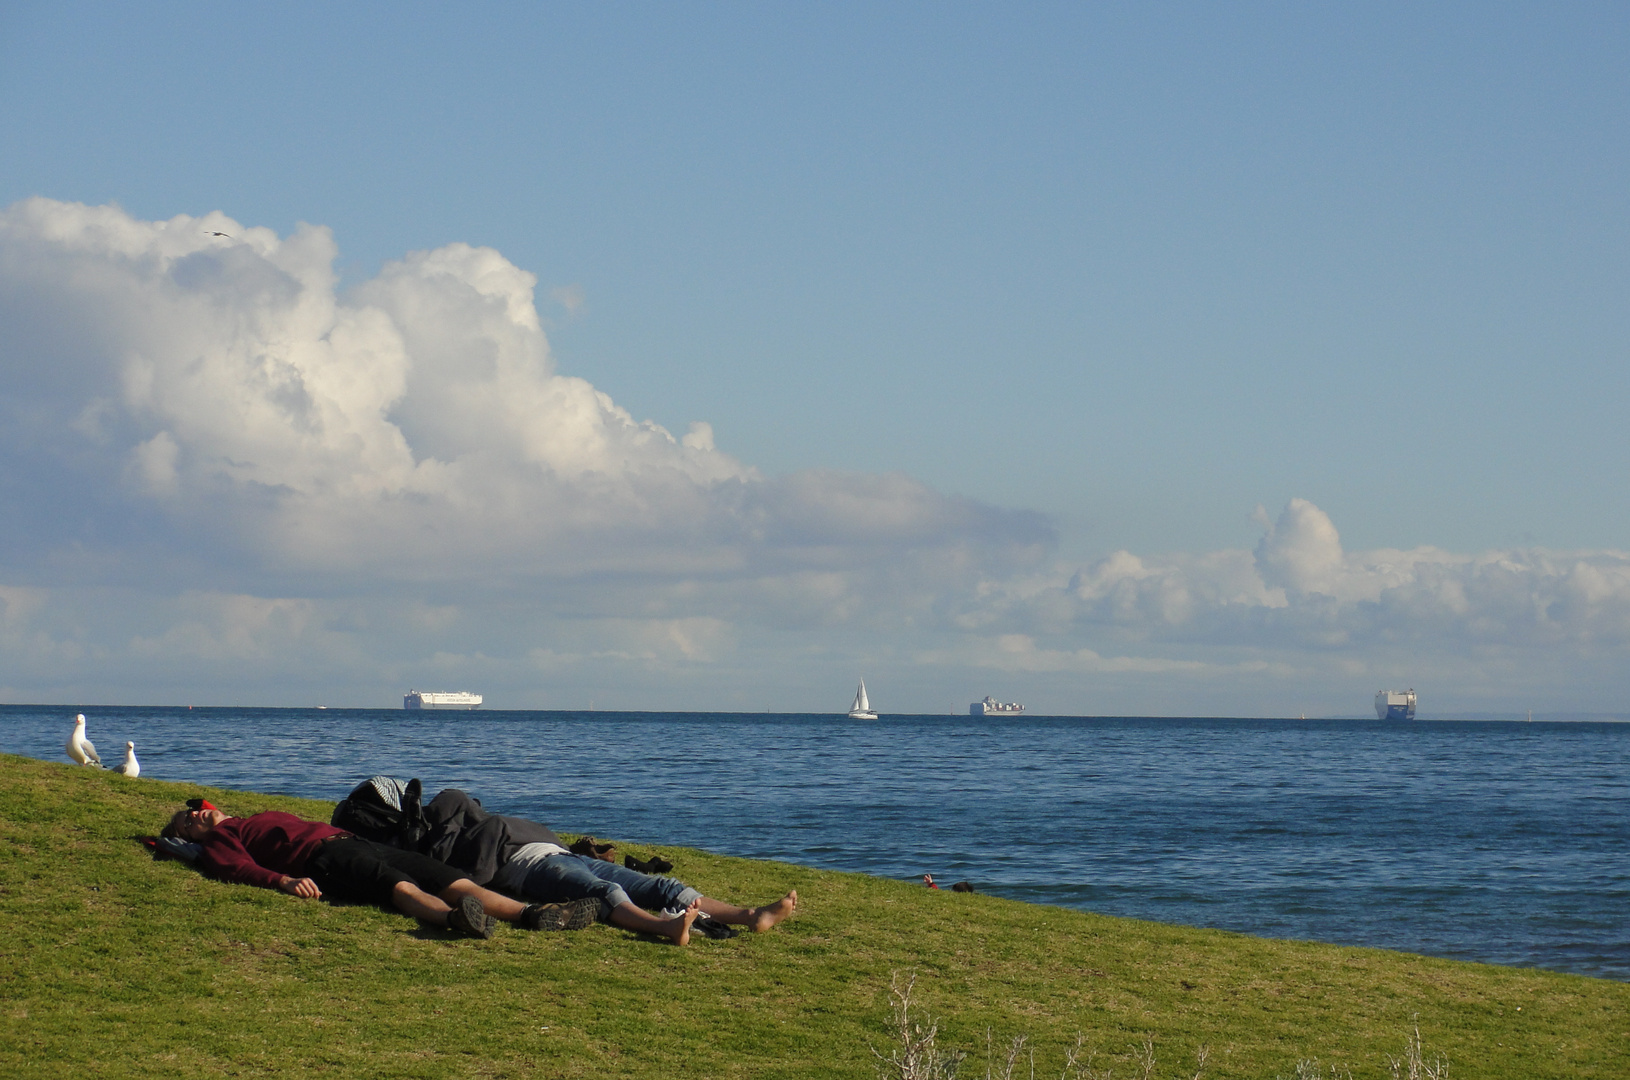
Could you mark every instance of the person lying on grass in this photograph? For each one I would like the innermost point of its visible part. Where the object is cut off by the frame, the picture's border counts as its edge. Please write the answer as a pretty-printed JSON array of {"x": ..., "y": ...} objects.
[
  {"x": 549, "y": 873},
  {"x": 307, "y": 859},
  {"x": 526, "y": 858}
]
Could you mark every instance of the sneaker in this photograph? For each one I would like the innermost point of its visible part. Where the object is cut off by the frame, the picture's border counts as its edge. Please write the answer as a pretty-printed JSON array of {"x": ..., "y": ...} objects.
[
  {"x": 468, "y": 918},
  {"x": 570, "y": 916}
]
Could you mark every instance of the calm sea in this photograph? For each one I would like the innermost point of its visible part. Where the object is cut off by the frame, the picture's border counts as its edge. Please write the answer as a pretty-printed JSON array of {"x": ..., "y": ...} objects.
[{"x": 1501, "y": 842}]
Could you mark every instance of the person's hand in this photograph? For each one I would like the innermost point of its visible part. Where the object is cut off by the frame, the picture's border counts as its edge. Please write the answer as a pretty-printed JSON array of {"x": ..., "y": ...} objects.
[{"x": 303, "y": 887}]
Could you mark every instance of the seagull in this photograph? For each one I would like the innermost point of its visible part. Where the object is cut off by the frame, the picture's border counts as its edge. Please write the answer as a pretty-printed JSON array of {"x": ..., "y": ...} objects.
[
  {"x": 227, "y": 235},
  {"x": 131, "y": 767},
  {"x": 79, "y": 747}
]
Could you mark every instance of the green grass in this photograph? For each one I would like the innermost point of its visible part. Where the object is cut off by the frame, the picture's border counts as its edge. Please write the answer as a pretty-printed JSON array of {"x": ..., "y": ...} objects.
[{"x": 114, "y": 964}]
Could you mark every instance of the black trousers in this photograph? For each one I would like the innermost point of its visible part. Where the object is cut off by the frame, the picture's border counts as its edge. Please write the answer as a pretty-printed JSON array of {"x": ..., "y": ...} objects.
[{"x": 362, "y": 871}]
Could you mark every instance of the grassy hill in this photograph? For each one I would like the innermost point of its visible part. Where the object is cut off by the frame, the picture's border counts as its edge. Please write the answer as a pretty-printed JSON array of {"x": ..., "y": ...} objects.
[{"x": 113, "y": 964}]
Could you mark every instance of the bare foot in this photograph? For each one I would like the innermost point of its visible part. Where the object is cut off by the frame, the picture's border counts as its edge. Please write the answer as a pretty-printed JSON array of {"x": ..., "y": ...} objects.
[
  {"x": 678, "y": 927},
  {"x": 770, "y": 914}
]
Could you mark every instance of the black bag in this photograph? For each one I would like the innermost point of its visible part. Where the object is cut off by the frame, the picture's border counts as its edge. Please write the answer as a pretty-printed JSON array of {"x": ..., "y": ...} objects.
[{"x": 385, "y": 811}]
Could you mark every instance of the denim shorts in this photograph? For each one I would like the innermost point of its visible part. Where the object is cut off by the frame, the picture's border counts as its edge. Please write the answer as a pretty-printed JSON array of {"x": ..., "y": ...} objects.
[{"x": 560, "y": 878}]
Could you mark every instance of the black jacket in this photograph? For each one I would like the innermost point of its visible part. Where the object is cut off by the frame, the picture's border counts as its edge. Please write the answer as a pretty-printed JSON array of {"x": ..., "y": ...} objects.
[{"x": 468, "y": 838}]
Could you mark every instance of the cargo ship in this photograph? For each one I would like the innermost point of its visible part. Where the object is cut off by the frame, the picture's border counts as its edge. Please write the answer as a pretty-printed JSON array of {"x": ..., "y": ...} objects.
[
  {"x": 1395, "y": 705},
  {"x": 426, "y": 699},
  {"x": 991, "y": 707}
]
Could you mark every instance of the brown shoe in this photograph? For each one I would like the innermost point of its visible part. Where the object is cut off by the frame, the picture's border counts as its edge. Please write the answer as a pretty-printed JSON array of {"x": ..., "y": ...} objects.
[
  {"x": 470, "y": 919},
  {"x": 574, "y": 915},
  {"x": 594, "y": 849}
]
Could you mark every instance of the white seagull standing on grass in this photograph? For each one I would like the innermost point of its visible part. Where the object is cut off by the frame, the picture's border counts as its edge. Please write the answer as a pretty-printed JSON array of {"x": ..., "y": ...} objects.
[
  {"x": 79, "y": 747},
  {"x": 131, "y": 767}
]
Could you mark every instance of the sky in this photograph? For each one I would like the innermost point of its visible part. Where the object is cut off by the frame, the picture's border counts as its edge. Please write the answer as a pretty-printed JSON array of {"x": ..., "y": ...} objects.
[{"x": 1118, "y": 359}]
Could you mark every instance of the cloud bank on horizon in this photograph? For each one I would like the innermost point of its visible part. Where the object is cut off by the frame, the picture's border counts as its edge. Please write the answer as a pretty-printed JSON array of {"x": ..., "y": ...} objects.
[{"x": 226, "y": 474}]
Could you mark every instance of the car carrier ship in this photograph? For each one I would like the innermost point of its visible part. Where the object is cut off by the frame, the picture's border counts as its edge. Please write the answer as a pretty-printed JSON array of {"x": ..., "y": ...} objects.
[
  {"x": 1395, "y": 705},
  {"x": 428, "y": 699}
]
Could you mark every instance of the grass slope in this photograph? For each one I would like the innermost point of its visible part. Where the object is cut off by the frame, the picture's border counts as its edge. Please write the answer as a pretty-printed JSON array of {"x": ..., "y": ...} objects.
[{"x": 112, "y": 964}]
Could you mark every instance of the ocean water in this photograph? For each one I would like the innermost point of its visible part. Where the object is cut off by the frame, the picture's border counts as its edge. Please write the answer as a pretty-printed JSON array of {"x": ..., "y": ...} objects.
[{"x": 1507, "y": 843}]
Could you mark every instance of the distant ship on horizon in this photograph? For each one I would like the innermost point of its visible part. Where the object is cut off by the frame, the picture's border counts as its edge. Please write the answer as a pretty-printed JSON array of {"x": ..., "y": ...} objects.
[
  {"x": 431, "y": 699},
  {"x": 1395, "y": 705},
  {"x": 991, "y": 707}
]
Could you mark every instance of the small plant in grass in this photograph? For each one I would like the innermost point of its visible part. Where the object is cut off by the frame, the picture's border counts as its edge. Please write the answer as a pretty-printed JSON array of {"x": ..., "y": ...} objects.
[
  {"x": 1413, "y": 1065},
  {"x": 916, "y": 1054},
  {"x": 1310, "y": 1070}
]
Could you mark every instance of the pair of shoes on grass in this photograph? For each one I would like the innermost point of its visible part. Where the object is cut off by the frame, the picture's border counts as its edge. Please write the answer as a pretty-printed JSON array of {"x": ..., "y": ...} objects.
[
  {"x": 574, "y": 915},
  {"x": 470, "y": 919},
  {"x": 656, "y": 864}
]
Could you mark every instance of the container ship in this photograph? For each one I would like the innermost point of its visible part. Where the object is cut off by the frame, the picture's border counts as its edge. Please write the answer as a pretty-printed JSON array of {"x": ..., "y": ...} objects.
[
  {"x": 426, "y": 699},
  {"x": 991, "y": 707},
  {"x": 1395, "y": 704}
]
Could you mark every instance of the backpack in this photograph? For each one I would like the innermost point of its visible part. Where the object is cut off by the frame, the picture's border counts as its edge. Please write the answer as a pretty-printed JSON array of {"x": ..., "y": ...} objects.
[{"x": 386, "y": 811}]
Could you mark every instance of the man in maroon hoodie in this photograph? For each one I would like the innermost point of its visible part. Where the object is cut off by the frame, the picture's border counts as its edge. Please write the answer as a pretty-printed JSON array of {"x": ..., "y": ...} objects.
[{"x": 308, "y": 858}]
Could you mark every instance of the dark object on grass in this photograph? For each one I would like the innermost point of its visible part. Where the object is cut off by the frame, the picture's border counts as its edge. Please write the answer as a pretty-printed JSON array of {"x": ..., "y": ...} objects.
[
  {"x": 172, "y": 847},
  {"x": 656, "y": 864},
  {"x": 385, "y": 811},
  {"x": 572, "y": 915},
  {"x": 962, "y": 886},
  {"x": 469, "y": 919},
  {"x": 713, "y": 928},
  {"x": 594, "y": 849}
]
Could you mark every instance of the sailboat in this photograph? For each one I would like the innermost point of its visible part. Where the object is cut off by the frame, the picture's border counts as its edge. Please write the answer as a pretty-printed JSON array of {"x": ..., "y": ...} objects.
[{"x": 861, "y": 709}]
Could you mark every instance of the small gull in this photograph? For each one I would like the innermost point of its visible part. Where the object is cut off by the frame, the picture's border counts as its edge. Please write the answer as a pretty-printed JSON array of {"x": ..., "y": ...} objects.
[
  {"x": 79, "y": 747},
  {"x": 131, "y": 767}
]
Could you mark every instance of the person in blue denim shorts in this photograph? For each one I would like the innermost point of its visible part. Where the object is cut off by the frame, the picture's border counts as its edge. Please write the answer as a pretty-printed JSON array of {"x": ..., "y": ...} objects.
[{"x": 548, "y": 873}]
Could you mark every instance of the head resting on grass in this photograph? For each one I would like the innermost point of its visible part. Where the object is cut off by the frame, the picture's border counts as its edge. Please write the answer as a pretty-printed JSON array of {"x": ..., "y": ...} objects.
[{"x": 193, "y": 822}]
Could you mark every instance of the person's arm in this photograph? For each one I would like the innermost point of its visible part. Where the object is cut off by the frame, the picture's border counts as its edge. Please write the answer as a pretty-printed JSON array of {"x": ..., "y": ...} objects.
[{"x": 224, "y": 854}]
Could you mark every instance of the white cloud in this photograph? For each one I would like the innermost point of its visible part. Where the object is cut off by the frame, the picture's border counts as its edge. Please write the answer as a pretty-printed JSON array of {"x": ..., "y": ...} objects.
[
  {"x": 414, "y": 429},
  {"x": 1300, "y": 591},
  {"x": 233, "y": 474}
]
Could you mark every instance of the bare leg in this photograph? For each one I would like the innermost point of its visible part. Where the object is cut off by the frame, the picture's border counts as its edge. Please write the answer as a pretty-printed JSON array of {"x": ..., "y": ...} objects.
[
  {"x": 409, "y": 899},
  {"x": 492, "y": 903},
  {"x": 634, "y": 917},
  {"x": 759, "y": 918}
]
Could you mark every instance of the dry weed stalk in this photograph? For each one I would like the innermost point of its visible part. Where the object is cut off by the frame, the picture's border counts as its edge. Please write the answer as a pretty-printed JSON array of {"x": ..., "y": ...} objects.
[
  {"x": 1309, "y": 1070},
  {"x": 1413, "y": 1065},
  {"x": 916, "y": 1055},
  {"x": 1015, "y": 1051}
]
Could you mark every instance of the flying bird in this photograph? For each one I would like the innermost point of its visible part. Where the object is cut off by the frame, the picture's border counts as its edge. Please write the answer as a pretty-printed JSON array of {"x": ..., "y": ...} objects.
[
  {"x": 227, "y": 235},
  {"x": 131, "y": 767},
  {"x": 79, "y": 747}
]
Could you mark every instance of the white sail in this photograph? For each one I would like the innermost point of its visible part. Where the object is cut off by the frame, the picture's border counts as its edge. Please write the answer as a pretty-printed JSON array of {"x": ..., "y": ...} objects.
[{"x": 861, "y": 709}]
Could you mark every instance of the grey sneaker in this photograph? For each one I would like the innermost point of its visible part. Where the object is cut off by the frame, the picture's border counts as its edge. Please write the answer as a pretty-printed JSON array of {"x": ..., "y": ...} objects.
[
  {"x": 469, "y": 919},
  {"x": 574, "y": 915}
]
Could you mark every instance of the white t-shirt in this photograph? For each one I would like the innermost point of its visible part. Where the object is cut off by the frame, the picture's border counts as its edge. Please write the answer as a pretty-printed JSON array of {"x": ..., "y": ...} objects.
[{"x": 521, "y": 863}]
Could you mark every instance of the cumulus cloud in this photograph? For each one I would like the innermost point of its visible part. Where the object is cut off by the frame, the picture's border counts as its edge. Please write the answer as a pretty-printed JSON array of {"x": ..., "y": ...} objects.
[
  {"x": 414, "y": 428},
  {"x": 229, "y": 472},
  {"x": 1299, "y": 589}
]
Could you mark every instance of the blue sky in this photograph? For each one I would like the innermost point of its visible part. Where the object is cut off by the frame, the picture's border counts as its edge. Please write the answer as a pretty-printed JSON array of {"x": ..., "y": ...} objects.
[{"x": 1135, "y": 269}]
